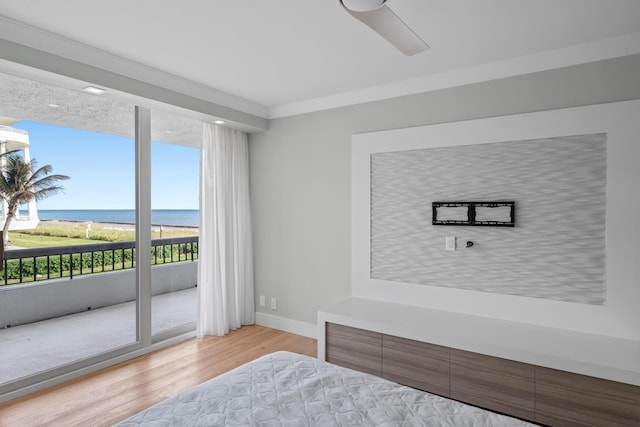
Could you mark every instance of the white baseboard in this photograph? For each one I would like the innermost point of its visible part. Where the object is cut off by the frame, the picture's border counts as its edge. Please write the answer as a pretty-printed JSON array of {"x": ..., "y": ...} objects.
[{"x": 288, "y": 325}]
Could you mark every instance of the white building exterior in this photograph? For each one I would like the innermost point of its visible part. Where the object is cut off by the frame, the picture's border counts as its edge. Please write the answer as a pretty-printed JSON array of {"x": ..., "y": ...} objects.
[{"x": 17, "y": 139}]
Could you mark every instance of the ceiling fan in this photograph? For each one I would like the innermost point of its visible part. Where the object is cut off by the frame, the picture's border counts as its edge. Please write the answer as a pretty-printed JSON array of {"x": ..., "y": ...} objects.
[{"x": 377, "y": 15}]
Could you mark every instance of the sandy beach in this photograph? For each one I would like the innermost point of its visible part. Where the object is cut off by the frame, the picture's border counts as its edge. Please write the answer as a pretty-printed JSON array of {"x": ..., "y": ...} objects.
[{"x": 117, "y": 226}]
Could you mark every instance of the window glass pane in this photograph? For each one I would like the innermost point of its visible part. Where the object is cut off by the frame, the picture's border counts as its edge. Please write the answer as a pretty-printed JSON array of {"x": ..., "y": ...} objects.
[
  {"x": 68, "y": 288},
  {"x": 175, "y": 169}
]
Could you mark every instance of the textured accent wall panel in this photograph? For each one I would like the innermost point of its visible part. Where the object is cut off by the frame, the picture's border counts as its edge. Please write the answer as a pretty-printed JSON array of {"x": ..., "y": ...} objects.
[{"x": 556, "y": 249}]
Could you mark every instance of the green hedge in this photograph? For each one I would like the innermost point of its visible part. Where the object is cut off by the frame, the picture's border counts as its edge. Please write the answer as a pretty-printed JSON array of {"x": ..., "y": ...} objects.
[{"x": 62, "y": 266}]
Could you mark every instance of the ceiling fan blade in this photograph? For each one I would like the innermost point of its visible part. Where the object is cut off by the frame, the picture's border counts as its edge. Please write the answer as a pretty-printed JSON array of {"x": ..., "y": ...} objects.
[{"x": 386, "y": 23}]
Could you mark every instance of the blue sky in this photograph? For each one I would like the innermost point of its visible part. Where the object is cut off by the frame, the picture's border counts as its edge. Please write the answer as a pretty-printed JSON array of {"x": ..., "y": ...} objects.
[{"x": 101, "y": 169}]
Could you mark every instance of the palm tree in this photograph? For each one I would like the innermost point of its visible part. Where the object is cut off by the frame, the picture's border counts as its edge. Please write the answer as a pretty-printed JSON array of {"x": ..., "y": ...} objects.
[{"x": 20, "y": 183}]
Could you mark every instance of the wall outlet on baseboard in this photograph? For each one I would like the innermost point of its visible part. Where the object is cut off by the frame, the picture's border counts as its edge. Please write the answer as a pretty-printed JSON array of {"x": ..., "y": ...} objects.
[
  {"x": 274, "y": 304},
  {"x": 262, "y": 302}
]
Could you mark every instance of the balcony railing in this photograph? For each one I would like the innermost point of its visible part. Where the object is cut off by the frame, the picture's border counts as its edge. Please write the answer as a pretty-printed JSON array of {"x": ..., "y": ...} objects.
[{"x": 56, "y": 262}]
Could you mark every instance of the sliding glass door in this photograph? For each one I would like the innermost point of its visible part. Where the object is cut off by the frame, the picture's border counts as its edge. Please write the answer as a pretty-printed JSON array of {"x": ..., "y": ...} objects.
[
  {"x": 82, "y": 266},
  {"x": 68, "y": 288},
  {"x": 175, "y": 164}
]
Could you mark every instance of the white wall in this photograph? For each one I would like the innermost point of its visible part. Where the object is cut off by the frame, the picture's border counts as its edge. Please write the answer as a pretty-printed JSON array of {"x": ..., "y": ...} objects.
[
  {"x": 556, "y": 250},
  {"x": 301, "y": 169},
  {"x": 617, "y": 317}
]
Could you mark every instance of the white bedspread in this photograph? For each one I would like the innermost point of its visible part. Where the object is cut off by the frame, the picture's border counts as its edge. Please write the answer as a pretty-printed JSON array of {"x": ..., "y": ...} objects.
[{"x": 288, "y": 389}]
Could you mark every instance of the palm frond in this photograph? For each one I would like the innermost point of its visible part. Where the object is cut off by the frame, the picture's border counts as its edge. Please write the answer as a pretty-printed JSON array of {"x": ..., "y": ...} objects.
[
  {"x": 21, "y": 183},
  {"x": 47, "y": 181},
  {"x": 48, "y": 192}
]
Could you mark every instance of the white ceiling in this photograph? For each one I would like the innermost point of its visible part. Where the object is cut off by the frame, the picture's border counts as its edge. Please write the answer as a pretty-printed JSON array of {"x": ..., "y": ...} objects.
[
  {"x": 25, "y": 99},
  {"x": 285, "y": 53}
]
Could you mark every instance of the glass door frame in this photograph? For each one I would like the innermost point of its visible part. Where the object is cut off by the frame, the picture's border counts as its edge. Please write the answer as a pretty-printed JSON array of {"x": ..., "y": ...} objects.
[
  {"x": 144, "y": 342},
  {"x": 143, "y": 224}
]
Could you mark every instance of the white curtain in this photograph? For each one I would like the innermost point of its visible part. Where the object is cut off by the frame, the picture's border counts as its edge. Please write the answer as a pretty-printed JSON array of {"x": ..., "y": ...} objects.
[{"x": 225, "y": 259}]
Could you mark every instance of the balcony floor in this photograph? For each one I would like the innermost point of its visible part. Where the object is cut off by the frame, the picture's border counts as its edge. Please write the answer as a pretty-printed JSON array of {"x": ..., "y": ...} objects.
[{"x": 39, "y": 346}]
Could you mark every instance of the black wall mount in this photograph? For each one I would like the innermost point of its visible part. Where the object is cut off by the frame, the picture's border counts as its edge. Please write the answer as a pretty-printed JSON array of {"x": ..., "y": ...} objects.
[{"x": 493, "y": 214}]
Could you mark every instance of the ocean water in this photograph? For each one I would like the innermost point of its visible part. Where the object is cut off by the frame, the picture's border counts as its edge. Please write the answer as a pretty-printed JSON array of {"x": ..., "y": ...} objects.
[{"x": 184, "y": 217}]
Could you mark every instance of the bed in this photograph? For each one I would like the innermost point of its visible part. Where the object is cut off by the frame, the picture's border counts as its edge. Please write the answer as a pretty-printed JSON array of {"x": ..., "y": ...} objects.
[{"x": 288, "y": 389}]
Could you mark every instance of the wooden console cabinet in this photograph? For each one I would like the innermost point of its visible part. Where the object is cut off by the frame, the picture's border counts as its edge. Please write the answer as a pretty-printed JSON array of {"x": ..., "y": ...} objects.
[
  {"x": 417, "y": 364},
  {"x": 355, "y": 348},
  {"x": 527, "y": 391},
  {"x": 493, "y": 383},
  {"x": 564, "y": 398}
]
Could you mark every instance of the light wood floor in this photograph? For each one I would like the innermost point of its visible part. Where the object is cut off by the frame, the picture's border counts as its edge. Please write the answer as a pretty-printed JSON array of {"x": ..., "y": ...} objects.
[{"x": 113, "y": 394}]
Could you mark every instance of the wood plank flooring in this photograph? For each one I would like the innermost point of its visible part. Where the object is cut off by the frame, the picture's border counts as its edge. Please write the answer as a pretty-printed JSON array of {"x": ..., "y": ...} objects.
[{"x": 115, "y": 393}]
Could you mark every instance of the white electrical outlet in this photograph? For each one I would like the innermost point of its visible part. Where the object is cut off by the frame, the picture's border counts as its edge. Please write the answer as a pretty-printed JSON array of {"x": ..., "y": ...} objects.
[
  {"x": 450, "y": 243},
  {"x": 274, "y": 304},
  {"x": 262, "y": 302}
]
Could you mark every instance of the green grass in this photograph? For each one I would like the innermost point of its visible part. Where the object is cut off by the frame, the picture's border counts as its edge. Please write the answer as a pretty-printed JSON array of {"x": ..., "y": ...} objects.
[
  {"x": 47, "y": 234},
  {"x": 25, "y": 240}
]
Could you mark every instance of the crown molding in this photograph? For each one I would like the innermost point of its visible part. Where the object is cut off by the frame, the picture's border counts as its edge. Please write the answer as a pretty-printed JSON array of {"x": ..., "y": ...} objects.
[
  {"x": 36, "y": 41},
  {"x": 558, "y": 58}
]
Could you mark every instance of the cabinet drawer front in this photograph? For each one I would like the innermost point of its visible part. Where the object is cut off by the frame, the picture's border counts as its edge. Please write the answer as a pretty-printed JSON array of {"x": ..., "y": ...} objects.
[
  {"x": 354, "y": 348},
  {"x": 417, "y": 364},
  {"x": 493, "y": 383},
  {"x": 564, "y": 398}
]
